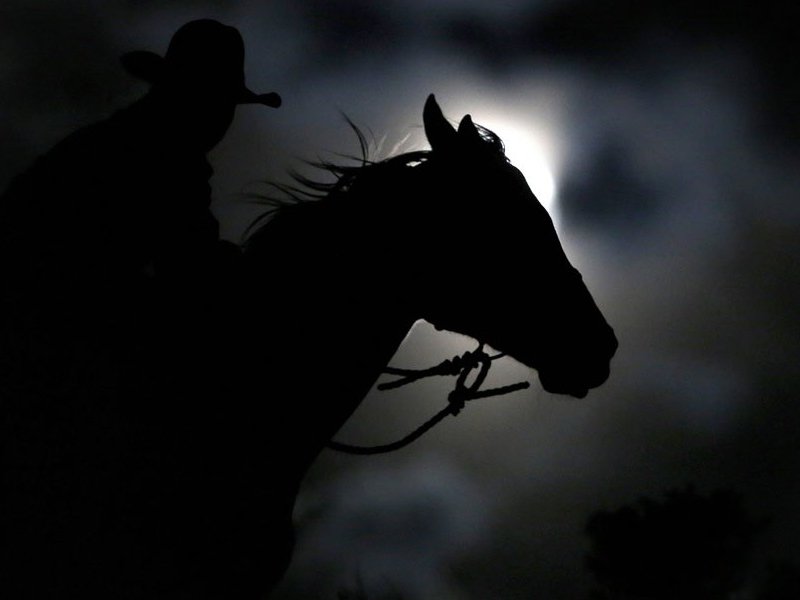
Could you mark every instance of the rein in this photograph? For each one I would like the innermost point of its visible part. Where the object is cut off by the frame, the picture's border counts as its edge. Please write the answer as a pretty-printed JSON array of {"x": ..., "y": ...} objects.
[{"x": 460, "y": 366}]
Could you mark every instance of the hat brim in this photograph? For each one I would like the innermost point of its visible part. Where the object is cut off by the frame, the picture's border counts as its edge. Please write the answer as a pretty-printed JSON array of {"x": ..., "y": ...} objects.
[
  {"x": 273, "y": 100},
  {"x": 149, "y": 66}
]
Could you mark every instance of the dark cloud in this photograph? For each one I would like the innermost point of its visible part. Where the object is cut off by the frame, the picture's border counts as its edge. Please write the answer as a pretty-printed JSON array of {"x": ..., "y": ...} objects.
[
  {"x": 58, "y": 69},
  {"x": 392, "y": 531},
  {"x": 612, "y": 32},
  {"x": 611, "y": 193},
  {"x": 343, "y": 30}
]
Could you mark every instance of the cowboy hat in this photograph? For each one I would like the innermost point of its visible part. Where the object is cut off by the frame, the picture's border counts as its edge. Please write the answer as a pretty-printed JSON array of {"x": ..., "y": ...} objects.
[{"x": 202, "y": 50}]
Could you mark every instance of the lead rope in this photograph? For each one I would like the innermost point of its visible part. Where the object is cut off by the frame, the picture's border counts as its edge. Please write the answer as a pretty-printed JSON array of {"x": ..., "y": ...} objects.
[{"x": 457, "y": 399}]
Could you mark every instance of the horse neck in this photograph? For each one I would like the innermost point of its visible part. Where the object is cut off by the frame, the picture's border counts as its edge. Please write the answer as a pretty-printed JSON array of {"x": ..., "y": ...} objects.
[{"x": 338, "y": 320}]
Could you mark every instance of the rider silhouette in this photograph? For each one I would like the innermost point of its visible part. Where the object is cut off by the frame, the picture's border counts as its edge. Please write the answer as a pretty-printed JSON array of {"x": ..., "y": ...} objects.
[
  {"x": 115, "y": 285},
  {"x": 129, "y": 197}
]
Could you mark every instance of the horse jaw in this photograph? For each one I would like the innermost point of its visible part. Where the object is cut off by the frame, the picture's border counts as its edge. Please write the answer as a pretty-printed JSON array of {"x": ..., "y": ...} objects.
[{"x": 570, "y": 349}]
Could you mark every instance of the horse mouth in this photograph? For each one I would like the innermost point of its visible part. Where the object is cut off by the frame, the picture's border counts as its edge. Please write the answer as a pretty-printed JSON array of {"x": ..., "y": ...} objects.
[
  {"x": 574, "y": 369},
  {"x": 565, "y": 388},
  {"x": 575, "y": 383}
]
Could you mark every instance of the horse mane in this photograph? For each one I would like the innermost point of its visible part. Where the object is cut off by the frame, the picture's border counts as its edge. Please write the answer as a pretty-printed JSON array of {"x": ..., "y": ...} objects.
[{"x": 347, "y": 178}]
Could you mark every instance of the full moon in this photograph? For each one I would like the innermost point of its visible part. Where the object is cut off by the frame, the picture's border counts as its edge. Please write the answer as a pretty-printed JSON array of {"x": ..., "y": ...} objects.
[{"x": 527, "y": 150}]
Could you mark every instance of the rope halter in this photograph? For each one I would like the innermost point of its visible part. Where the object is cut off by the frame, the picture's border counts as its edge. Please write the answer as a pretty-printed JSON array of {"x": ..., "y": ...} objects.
[{"x": 460, "y": 366}]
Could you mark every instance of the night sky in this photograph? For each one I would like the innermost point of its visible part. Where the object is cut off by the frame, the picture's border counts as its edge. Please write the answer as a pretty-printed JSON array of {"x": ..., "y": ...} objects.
[{"x": 669, "y": 131}]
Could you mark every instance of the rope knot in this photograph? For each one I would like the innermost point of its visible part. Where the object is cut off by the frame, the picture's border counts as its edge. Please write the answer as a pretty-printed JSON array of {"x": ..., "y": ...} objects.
[
  {"x": 456, "y": 401},
  {"x": 461, "y": 365}
]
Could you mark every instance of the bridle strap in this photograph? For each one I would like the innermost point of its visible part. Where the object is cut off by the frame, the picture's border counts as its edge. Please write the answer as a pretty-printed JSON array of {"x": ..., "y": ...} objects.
[{"x": 462, "y": 366}]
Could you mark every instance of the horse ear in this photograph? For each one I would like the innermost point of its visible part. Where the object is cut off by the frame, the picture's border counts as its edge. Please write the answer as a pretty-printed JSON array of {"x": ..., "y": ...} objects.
[
  {"x": 468, "y": 132},
  {"x": 441, "y": 135}
]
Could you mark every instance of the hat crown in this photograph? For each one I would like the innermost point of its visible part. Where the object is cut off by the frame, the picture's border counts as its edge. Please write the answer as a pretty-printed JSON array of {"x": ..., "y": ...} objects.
[{"x": 208, "y": 51}]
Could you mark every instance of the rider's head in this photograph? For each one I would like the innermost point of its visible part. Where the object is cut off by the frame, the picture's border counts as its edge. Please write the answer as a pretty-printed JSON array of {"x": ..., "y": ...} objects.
[{"x": 201, "y": 78}]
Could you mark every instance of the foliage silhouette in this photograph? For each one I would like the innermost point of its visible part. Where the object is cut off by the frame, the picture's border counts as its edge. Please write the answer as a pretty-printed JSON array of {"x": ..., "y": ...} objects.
[
  {"x": 685, "y": 546},
  {"x": 781, "y": 581}
]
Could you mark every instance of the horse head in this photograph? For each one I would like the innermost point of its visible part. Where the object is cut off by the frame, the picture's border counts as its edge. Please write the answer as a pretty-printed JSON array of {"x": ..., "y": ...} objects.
[{"x": 493, "y": 266}]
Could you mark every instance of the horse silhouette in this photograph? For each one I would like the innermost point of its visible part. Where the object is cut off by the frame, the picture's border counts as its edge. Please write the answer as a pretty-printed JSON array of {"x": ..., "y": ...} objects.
[{"x": 159, "y": 492}]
